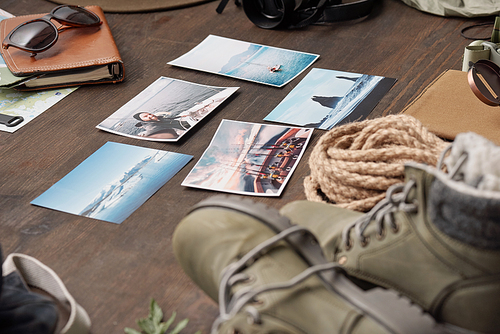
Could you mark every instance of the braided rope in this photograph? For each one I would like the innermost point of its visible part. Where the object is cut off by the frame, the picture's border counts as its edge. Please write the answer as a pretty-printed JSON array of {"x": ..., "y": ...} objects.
[{"x": 353, "y": 165}]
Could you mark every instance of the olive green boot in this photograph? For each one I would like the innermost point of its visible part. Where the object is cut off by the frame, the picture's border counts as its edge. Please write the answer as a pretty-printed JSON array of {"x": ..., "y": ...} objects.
[
  {"x": 271, "y": 277},
  {"x": 434, "y": 239}
]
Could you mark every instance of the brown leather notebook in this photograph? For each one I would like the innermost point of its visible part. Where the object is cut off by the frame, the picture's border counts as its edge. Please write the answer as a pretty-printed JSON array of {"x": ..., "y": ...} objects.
[
  {"x": 80, "y": 56},
  {"x": 448, "y": 107}
]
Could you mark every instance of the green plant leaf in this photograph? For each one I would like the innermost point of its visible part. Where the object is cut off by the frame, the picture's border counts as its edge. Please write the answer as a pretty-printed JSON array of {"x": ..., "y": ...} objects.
[
  {"x": 131, "y": 331},
  {"x": 170, "y": 321},
  {"x": 153, "y": 324},
  {"x": 163, "y": 328},
  {"x": 146, "y": 325},
  {"x": 155, "y": 312},
  {"x": 180, "y": 326}
]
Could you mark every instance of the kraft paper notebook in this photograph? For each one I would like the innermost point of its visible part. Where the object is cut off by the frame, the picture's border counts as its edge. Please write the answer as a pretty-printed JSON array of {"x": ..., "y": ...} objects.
[
  {"x": 80, "y": 56},
  {"x": 448, "y": 107}
]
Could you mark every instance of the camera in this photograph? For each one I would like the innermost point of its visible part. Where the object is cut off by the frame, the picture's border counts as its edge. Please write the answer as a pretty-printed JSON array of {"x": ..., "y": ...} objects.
[
  {"x": 278, "y": 14},
  {"x": 478, "y": 50}
]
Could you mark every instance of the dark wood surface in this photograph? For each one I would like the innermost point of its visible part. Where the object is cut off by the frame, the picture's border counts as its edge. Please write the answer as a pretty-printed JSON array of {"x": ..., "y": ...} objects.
[{"x": 113, "y": 270}]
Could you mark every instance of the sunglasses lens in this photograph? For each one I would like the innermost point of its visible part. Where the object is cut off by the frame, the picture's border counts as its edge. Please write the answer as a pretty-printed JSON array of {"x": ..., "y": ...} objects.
[
  {"x": 76, "y": 15},
  {"x": 34, "y": 35}
]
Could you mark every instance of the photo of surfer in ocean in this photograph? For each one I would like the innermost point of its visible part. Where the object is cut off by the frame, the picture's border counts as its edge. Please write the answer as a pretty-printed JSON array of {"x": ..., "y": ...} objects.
[
  {"x": 325, "y": 98},
  {"x": 165, "y": 110},
  {"x": 253, "y": 62}
]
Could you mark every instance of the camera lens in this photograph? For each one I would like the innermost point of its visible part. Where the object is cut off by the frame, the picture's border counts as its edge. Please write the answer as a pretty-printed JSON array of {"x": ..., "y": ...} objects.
[
  {"x": 272, "y": 9},
  {"x": 269, "y": 14}
]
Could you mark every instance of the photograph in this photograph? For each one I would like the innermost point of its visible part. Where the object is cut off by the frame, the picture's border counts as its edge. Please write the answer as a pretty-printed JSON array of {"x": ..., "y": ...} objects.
[
  {"x": 113, "y": 182},
  {"x": 242, "y": 60},
  {"x": 249, "y": 158},
  {"x": 325, "y": 98},
  {"x": 166, "y": 110}
]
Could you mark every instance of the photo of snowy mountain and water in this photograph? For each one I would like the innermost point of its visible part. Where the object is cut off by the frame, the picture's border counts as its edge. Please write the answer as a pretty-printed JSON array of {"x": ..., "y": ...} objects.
[
  {"x": 113, "y": 182},
  {"x": 325, "y": 98}
]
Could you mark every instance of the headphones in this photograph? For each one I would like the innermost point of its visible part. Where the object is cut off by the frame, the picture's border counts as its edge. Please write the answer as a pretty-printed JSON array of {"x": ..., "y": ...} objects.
[{"x": 275, "y": 14}]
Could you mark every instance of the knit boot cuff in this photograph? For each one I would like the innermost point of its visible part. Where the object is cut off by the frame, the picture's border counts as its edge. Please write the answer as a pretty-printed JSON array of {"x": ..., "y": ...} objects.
[{"x": 465, "y": 213}]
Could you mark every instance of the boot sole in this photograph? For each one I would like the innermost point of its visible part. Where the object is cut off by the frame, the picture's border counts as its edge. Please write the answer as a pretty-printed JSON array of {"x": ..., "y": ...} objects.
[{"x": 396, "y": 313}]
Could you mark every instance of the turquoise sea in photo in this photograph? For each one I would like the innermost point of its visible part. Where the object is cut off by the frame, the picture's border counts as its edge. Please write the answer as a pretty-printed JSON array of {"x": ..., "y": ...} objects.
[
  {"x": 247, "y": 61},
  {"x": 255, "y": 68},
  {"x": 324, "y": 98}
]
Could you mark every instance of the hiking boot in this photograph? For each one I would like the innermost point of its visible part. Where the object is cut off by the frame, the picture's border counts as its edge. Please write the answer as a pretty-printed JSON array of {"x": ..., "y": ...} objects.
[
  {"x": 269, "y": 276},
  {"x": 435, "y": 239}
]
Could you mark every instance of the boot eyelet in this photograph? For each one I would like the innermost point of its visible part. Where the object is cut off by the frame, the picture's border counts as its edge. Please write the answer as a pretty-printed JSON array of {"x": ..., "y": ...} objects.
[
  {"x": 348, "y": 245},
  {"x": 365, "y": 241},
  {"x": 252, "y": 321},
  {"x": 253, "y": 316},
  {"x": 380, "y": 236},
  {"x": 395, "y": 228},
  {"x": 257, "y": 302},
  {"x": 250, "y": 279},
  {"x": 241, "y": 278}
]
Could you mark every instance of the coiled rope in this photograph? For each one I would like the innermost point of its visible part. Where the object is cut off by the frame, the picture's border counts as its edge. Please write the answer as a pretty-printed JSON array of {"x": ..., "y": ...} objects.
[{"x": 353, "y": 165}]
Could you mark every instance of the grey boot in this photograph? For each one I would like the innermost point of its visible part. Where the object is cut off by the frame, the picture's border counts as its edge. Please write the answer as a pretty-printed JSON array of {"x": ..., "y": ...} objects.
[
  {"x": 434, "y": 239},
  {"x": 271, "y": 277}
]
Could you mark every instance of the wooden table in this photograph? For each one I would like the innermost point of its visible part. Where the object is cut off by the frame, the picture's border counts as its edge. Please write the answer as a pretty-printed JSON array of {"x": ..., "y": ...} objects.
[{"x": 113, "y": 270}]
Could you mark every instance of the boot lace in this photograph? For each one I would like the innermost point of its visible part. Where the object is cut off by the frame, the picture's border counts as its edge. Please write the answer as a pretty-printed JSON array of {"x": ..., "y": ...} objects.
[
  {"x": 382, "y": 214},
  {"x": 454, "y": 170},
  {"x": 230, "y": 305},
  {"x": 396, "y": 199}
]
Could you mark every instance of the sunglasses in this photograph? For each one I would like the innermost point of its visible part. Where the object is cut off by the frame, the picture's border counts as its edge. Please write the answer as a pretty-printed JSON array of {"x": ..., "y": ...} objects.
[{"x": 40, "y": 34}]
